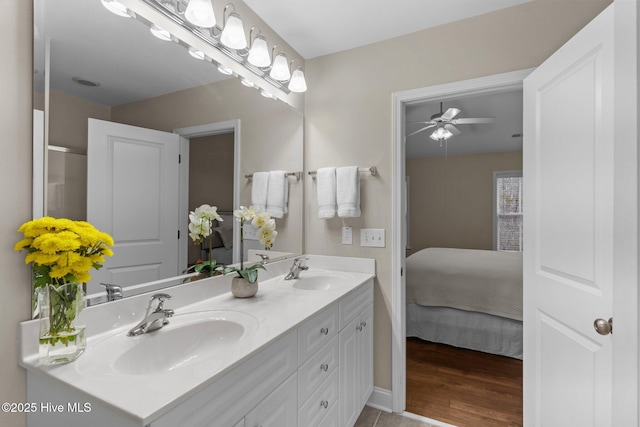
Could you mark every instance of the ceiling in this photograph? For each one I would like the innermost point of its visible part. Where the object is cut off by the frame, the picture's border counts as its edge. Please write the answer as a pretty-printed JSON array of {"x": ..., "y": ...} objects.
[
  {"x": 505, "y": 107},
  {"x": 316, "y": 28}
]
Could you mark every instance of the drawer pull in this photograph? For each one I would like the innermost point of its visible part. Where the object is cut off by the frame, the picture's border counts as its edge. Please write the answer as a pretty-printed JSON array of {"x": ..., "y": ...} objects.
[
  {"x": 363, "y": 323},
  {"x": 324, "y": 404},
  {"x": 324, "y": 331},
  {"x": 324, "y": 367},
  {"x": 359, "y": 327}
]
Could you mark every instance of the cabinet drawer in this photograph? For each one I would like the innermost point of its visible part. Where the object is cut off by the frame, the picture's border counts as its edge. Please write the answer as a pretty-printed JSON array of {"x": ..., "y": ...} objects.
[
  {"x": 317, "y": 331},
  {"x": 317, "y": 369},
  {"x": 324, "y": 399},
  {"x": 332, "y": 419},
  {"x": 352, "y": 305}
]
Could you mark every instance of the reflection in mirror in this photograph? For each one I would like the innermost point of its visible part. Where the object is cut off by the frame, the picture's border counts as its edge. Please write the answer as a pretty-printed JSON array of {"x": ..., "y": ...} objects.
[{"x": 109, "y": 75}]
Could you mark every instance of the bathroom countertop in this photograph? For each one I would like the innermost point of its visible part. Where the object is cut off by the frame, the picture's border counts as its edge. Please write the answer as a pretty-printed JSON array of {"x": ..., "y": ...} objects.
[{"x": 277, "y": 308}]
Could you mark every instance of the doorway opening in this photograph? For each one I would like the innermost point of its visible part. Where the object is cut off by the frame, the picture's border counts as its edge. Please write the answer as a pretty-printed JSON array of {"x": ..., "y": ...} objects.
[
  {"x": 404, "y": 103},
  {"x": 227, "y": 135}
]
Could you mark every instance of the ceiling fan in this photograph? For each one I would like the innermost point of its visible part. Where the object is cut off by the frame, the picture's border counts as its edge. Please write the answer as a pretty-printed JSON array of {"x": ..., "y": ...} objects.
[{"x": 444, "y": 124}]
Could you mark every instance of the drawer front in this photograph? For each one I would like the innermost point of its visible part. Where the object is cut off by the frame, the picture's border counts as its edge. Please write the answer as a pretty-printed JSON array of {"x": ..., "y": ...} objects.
[
  {"x": 317, "y": 369},
  {"x": 316, "y": 332},
  {"x": 320, "y": 403},
  {"x": 332, "y": 419},
  {"x": 227, "y": 400},
  {"x": 353, "y": 304}
]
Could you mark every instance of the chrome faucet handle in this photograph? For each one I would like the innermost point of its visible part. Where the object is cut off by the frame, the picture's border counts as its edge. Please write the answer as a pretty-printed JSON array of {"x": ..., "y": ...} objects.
[
  {"x": 114, "y": 292},
  {"x": 264, "y": 258},
  {"x": 161, "y": 297}
]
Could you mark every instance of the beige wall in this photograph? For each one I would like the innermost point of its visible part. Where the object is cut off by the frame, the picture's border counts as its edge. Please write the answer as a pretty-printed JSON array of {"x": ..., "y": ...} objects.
[
  {"x": 16, "y": 70},
  {"x": 68, "y": 124},
  {"x": 348, "y": 114},
  {"x": 451, "y": 199},
  {"x": 271, "y": 135}
]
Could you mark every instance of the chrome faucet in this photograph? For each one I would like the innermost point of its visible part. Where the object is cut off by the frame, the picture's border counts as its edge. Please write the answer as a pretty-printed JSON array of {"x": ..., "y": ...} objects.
[
  {"x": 299, "y": 265},
  {"x": 155, "y": 319},
  {"x": 265, "y": 258},
  {"x": 114, "y": 292}
]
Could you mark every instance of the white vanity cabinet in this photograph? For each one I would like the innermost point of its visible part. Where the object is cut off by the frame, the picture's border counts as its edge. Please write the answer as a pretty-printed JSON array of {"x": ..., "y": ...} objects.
[
  {"x": 356, "y": 354},
  {"x": 317, "y": 373}
]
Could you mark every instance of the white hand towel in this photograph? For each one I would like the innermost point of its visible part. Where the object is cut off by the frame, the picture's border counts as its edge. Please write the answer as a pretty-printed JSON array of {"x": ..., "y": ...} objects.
[
  {"x": 348, "y": 192},
  {"x": 259, "y": 188},
  {"x": 326, "y": 183},
  {"x": 277, "y": 194}
]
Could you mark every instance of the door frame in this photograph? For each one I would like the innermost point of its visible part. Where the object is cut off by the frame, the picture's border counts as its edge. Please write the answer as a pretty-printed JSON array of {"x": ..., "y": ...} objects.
[
  {"x": 208, "y": 129},
  {"x": 482, "y": 85}
]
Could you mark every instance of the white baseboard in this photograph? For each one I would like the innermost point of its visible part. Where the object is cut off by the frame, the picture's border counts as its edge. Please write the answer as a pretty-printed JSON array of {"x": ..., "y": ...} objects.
[{"x": 381, "y": 399}]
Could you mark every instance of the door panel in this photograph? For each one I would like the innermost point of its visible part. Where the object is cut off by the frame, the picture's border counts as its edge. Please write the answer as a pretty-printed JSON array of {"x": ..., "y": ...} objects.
[
  {"x": 132, "y": 194},
  {"x": 568, "y": 260}
]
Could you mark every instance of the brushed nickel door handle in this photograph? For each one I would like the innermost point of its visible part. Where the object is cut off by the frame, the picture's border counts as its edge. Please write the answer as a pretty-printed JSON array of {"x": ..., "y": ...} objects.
[{"x": 603, "y": 327}]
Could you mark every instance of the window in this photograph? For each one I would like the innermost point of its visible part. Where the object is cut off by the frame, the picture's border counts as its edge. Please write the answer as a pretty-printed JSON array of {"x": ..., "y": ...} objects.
[{"x": 507, "y": 210}]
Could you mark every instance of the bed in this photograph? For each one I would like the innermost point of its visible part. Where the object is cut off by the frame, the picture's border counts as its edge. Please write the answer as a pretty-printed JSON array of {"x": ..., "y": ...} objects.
[{"x": 467, "y": 298}]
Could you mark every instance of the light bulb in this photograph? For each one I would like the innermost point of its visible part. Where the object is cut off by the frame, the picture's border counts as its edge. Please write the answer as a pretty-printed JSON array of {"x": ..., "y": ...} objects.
[
  {"x": 267, "y": 94},
  {"x": 280, "y": 70},
  {"x": 198, "y": 54},
  {"x": 440, "y": 133},
  {"x": 224, "y": 70},
  {"x": 115, "y": 7},
  {"x": 297, "y": 82},
  {"x": 200, "y": 13},
  {"x": 247, "y": 83},
  {"x": 160, "y": 33},
  {"x": 259, "y": 52},
  {"x": 233, "y": 33}
]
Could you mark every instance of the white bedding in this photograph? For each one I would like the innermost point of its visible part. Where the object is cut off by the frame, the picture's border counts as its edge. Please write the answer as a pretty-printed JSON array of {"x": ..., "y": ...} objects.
[{"x": 467, "y": 279}]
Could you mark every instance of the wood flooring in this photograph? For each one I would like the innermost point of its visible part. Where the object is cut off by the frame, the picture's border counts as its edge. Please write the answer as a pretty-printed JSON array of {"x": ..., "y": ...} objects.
[{"x": 463, "y": 387}]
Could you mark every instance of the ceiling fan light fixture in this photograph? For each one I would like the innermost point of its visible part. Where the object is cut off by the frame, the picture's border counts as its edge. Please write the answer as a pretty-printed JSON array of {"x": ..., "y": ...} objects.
[
  {"x": 200, "y": 13},
  {"x": 116, "y": 7},
  {"x": 440, "y": 133}
]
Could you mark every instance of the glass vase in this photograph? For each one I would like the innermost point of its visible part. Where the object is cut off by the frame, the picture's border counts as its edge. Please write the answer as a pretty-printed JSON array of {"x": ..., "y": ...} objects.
[{"x": 62, "y": 337}]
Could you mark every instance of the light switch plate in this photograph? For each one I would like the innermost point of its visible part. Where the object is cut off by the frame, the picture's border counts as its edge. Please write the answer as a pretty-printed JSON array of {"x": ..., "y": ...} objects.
[
  {"x": 347, "y": 236},
  {"x": 372, "y": 237}
]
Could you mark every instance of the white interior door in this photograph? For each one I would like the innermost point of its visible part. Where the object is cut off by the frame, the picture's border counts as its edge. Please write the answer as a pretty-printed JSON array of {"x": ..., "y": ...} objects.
[
  {"x": 570, "y": 271},
  {"x": 132, "y": 194}
]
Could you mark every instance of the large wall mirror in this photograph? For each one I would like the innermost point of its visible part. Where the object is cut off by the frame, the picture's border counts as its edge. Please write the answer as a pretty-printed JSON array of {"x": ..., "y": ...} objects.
[{"x": 99, "y": 72}]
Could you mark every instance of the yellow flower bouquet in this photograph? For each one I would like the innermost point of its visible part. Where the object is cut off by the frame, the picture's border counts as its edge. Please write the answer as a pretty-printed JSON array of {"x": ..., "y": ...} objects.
[{"x": 61, "y": 253}]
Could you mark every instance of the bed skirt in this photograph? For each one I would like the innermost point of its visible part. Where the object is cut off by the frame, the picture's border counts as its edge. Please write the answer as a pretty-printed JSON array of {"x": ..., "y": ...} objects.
[{"x": 466, "y": 329}]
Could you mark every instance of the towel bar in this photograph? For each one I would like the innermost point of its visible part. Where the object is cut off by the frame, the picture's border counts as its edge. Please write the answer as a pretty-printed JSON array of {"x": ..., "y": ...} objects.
[
  {"x": 298, "y": 175},
  {"x": 373, "y": 170}
]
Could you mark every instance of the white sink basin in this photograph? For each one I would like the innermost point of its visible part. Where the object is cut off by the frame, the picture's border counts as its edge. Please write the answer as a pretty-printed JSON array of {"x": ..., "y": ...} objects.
[
  {"x": 320, "y": 280},
  {"x": 188, "y": 339}
]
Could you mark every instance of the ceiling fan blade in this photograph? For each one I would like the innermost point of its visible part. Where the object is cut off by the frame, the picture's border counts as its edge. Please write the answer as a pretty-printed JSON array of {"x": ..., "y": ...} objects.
[
  {"x": 430, "y": 122},
  {"x": 450, "y": 114},
  {"x": 470, "y": 121},
  {"x": 420, "y": 130},
  {"x": 451, "y": 128}
]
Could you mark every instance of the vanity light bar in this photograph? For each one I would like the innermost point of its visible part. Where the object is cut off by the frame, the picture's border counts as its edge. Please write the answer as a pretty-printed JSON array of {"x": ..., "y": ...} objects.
[
  {"x": 211, "y": 36},
  {"x": 372, "y": 170},
  {"x": 298, "y": 175}
]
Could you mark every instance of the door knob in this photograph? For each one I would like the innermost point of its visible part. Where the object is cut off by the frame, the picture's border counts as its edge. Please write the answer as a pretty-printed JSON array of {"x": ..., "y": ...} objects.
[{"x": 603, "y": 327}]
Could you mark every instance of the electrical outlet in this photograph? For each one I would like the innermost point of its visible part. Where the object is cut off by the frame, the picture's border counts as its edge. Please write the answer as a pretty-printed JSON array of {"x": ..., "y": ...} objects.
[
  {"x": 249, "y": 232},
  {"x": 372, "y": 237},
  {"x": 347, "y": 236}
]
